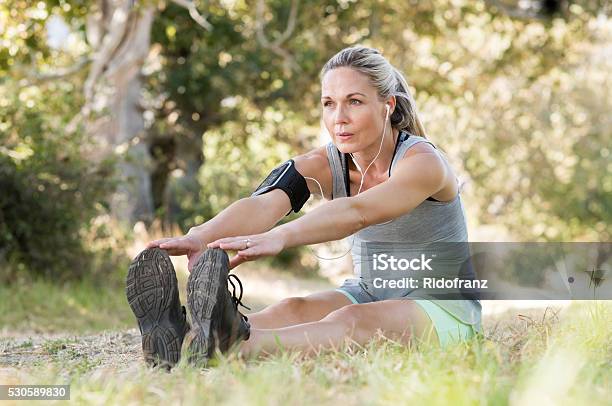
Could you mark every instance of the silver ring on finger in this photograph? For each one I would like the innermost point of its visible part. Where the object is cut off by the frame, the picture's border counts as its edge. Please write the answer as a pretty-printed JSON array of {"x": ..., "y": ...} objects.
[{"x": 247, "y": 241}]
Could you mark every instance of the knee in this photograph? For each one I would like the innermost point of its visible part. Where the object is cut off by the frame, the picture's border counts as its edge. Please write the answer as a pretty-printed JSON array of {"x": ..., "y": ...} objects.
[{"x": 351, "y": 319}]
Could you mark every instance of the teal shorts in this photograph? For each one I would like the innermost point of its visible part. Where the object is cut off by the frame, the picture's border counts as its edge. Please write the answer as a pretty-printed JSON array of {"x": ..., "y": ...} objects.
[{"x": 448, "y": 328}]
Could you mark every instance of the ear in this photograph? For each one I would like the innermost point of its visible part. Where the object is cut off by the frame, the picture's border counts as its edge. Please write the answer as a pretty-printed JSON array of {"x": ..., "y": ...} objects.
[{"x": 391, "y": 105}]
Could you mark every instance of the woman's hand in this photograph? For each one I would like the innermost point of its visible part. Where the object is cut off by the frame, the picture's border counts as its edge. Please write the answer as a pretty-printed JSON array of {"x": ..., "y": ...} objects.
[
  {"x": 251, "y": 247},
  {"x": 186, "y": 245}
]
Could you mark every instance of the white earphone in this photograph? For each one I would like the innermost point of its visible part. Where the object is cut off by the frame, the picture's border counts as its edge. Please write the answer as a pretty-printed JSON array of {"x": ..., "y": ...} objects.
[{"x": 388, "y": 108}]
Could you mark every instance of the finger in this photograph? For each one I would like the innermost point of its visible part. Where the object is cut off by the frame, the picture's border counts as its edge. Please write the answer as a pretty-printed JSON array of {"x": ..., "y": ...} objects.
[
  {"x": 175, "y": 251},
  {"x": 214, "y": 244},
  {"x": 175, "y": 243},
  {"x": 233, "y": 246},
  {"x": 236, "y": 260},
  {"x": 250, "y": 254},
  {"x": 192, "y": 260},
  {"x": 217, "y": 243},
  {"x": 156, "y": 243}
]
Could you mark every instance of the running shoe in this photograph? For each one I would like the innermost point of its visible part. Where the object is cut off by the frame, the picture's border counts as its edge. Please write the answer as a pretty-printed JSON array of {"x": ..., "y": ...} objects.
[
  {"x": 216, "y": 321},
  {"x": 152, "y": 292}
]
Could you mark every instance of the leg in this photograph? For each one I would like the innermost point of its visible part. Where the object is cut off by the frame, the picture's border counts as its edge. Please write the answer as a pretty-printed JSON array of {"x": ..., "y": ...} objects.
[
  {"x": 396, "y": 319},
  {"x": 298, "y": 310},
  {"x": 216, "y": 322}
]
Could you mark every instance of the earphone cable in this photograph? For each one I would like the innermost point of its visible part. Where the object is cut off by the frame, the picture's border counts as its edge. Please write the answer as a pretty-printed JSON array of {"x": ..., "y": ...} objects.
[{"x": 358, "y": 191}]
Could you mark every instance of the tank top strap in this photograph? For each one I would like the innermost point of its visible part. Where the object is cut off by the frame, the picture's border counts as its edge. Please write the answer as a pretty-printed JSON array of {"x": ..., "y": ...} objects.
[
  {"x": 409, "y": 140},
  {"x": 337, "y": 167}
]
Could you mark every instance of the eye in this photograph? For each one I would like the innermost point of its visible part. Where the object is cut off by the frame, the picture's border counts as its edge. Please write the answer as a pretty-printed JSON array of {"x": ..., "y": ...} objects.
[
  {"x": 355, "y": 101},
  {"x": 327, "y": 104}
]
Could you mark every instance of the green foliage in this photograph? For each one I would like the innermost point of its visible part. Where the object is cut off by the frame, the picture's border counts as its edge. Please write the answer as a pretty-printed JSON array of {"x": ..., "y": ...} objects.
[
  {"x": 50, "y": 193},
  {"x": 538, "y": 133},
  {"x": 520, "y": 106},
  {"x": 24, "y": 49}
]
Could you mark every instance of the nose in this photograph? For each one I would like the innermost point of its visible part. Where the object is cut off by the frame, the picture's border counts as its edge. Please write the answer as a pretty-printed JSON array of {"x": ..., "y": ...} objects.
[{"x": 340, "y": 116}]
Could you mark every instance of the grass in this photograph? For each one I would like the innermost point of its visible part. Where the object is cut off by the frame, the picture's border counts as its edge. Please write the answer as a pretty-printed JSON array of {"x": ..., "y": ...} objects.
[
  {"x": 40, "y": 306},
  {"x": 77, "y": 307},
  {"x": 539, "y": 358}
]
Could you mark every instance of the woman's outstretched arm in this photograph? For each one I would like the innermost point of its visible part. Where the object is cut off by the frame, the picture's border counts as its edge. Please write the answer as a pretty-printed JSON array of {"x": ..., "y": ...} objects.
[
  {"x": 414, "y": 179},
  {"x": 249, "y": 215}
]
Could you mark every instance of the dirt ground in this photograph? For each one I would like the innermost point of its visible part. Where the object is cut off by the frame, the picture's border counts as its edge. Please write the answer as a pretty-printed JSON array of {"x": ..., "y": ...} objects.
[
  {"x": 120, "y": 350},
  {"x": 503, "y": 322}
]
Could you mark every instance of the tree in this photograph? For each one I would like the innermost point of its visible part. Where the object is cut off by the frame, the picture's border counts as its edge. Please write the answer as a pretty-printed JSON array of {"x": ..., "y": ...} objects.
[{"x": 197, "y": 101}]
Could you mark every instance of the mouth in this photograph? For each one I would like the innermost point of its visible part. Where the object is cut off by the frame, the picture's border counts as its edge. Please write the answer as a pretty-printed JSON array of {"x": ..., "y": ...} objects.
[{"x": 344, "y": 135}]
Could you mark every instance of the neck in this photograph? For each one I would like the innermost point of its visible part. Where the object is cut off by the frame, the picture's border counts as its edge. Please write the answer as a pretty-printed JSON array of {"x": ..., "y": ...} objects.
[{"x": 383, "y": 161}]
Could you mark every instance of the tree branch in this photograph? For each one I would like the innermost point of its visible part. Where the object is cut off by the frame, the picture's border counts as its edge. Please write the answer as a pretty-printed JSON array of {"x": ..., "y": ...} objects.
[
  {"x": 193, "y": 12},
  {"x": 110, "y": 42},
  {"x": 132, "y": 53},
  {"x": 290, "y": 24},
  {"x": 37, "y": 77},
  {"x": 275, "y": 46}
]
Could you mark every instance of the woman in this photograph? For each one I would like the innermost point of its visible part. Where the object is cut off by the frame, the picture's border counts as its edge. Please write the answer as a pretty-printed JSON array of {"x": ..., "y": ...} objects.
[{"x": 395, "y": 187}]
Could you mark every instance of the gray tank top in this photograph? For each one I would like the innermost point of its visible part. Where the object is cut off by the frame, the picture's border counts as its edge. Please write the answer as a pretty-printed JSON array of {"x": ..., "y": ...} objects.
[{"x": 431, "y": 221}]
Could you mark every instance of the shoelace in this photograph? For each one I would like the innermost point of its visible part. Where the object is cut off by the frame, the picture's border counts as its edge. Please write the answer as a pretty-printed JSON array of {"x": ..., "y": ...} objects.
[{"x": 237, "y": 300}]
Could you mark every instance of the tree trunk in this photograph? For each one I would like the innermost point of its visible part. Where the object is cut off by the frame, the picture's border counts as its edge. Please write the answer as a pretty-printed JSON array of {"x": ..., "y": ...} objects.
[{"x": 120, "y": 35}]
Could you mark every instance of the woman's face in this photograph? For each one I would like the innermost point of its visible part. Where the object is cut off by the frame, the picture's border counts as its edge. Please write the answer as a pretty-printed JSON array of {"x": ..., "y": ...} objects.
[{"x": 353, "y": 113}]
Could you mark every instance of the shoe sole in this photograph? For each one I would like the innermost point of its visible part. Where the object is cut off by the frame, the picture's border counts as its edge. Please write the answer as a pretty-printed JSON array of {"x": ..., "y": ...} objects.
[
  {"x": 209, "y": 274},
  {"x": 151, "y": 289}
]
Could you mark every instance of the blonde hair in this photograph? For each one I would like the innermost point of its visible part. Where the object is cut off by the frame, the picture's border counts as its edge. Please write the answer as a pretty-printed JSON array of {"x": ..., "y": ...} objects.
[{"x": 387, "y": 80}]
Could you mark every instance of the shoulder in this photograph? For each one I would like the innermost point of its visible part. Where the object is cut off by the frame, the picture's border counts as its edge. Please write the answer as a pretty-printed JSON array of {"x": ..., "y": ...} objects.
[
  {"x": 418, "y": 175},
  {"x": 422, "y": 147},
  {"x": 314, "y": 164},
  {"x": 427, "y": 166},
  {"x": 317, "y": 155},
  {"x": 425, "y": 153},
  {"x": 422, "y": 163}
]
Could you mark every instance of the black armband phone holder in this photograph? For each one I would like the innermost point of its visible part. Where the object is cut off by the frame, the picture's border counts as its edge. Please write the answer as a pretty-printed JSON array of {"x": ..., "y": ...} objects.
[{"x": 289, "y": 180}]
